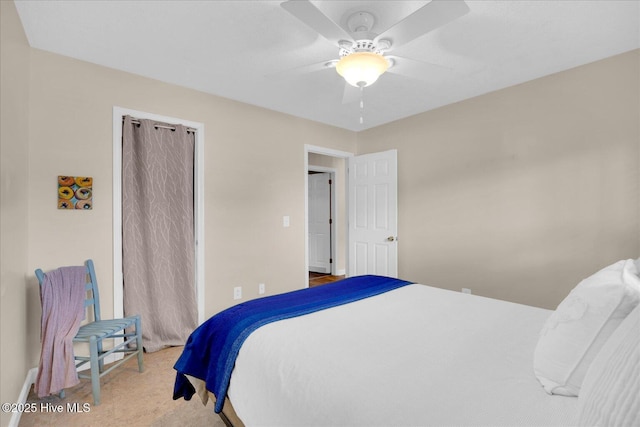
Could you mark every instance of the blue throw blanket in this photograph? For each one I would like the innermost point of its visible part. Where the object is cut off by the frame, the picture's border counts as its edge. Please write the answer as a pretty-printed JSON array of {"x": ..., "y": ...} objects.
[{"x": 211, "y": 350}]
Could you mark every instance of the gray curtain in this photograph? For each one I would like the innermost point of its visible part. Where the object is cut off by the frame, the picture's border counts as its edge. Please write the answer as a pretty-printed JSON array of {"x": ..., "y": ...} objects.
[{"x": 158, "y": 231}]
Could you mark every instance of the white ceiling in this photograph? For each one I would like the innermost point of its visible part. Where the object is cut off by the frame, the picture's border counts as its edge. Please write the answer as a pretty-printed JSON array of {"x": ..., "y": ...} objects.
[{"x": 242, "y": 49}]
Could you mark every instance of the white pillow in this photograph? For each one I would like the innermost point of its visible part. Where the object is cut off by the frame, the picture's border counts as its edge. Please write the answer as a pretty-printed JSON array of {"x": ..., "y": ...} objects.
[
  {"x": 610, "y": 393},
  {"x": 582, "y": 323}
]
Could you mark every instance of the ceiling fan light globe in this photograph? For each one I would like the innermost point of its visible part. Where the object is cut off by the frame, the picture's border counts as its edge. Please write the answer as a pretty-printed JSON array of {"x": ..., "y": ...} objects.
[{"x": 361, "y": 69}]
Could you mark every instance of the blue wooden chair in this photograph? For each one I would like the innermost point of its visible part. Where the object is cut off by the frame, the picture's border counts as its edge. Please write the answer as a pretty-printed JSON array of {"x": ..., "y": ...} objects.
[{"x": 98, "y": 330}]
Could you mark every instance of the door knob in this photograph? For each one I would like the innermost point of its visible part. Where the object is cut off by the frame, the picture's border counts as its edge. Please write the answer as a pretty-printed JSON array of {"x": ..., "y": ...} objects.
[{"x": 391, "y": 239}]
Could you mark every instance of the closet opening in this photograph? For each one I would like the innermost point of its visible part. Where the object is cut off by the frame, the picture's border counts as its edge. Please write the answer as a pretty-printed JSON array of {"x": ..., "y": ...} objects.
[{"x": 159, "y": 124}]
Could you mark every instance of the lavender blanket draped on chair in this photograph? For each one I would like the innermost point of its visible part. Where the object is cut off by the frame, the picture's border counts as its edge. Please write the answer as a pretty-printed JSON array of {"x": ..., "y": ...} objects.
[{"x": 62, "y": 294}]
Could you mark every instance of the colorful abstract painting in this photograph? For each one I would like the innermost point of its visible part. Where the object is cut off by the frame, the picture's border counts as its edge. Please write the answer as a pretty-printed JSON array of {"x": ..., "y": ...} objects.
[{"x": 75, "y": 192}]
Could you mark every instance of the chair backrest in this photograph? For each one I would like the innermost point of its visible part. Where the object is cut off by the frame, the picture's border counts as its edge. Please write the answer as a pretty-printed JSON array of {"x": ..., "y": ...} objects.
[{"x": 91, "y": 288}]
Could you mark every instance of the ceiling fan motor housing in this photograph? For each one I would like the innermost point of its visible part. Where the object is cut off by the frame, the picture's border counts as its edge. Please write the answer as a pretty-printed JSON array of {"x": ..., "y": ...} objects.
[
  {"x": 360, "y": 25},
  {"x": 364, "y": 45}
]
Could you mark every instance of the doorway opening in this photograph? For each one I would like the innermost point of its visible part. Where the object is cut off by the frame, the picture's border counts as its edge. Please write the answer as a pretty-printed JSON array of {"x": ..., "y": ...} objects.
[
  {"x": 321, "y": 231},
  {"x": 331, "y": 164},
  {"x": 118, "y": 114}
]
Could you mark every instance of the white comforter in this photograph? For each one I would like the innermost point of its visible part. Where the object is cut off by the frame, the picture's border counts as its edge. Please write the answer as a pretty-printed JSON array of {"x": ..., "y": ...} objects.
[{"x": 414, "y": 356}]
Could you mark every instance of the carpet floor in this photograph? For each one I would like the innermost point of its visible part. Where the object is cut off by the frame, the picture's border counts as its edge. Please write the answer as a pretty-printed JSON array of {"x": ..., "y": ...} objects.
[{"x": 128, "y": 398}]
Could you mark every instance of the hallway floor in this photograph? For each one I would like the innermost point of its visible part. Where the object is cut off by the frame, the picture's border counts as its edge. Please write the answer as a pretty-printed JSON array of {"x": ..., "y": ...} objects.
[{"x": 317, "y": 279}]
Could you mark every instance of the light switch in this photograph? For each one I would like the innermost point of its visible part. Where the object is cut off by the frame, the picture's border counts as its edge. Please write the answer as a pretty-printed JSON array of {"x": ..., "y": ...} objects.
[{"x": 285, "y": 221}]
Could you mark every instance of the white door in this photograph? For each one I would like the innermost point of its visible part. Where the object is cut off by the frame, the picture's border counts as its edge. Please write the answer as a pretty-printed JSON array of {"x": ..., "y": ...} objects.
[
  {"x": 319, "y": 223},
  {"x": 373, "y": 214}
]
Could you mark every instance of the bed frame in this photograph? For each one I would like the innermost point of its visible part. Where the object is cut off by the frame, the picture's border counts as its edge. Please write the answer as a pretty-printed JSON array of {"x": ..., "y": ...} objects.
[{"x": 228, "y": 414}]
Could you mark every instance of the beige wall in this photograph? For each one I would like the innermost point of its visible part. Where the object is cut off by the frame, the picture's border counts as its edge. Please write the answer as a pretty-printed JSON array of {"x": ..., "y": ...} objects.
[
  {"x": 520, "y": 193},
  {"x": 15, "y": 360}
]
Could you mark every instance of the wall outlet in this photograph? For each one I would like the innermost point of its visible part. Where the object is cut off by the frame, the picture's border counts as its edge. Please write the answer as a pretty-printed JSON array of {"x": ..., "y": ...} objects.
[
  {"x": 237, "y": 292},
  {"x": 261, "y": 288},
  {"x": 286, "y": 221},
  {"x": 466, "y": 290}
]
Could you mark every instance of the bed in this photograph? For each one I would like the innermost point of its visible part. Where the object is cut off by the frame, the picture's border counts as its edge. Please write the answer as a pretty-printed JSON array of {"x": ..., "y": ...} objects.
[{"x": 371, "y": 350}]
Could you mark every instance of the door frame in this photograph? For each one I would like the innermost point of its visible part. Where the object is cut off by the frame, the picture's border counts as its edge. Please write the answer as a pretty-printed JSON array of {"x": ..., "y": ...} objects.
[
  {"x": 332, "y": 202},
  {"x": 331, "y": 153},
  {"x": 198, "y": 165}
]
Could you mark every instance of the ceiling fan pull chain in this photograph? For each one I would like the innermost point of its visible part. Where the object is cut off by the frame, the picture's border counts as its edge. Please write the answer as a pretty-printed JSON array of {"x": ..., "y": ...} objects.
[{"x": 361, "y": 104}]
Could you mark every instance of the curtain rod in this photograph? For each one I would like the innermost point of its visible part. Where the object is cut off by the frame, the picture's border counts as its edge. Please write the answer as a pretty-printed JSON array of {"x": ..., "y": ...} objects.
[{"x": 135, "y": 121}]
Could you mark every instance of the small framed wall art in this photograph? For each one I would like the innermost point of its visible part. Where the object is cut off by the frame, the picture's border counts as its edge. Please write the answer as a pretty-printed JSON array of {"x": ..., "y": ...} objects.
[{"x": 75, "y": 192}]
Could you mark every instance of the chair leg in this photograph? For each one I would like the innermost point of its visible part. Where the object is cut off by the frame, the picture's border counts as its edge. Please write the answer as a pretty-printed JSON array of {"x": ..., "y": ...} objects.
[
  {"x": 95, "y": 370},
  {"x": 100, "y": 360},
  {"x": 139, "y": 343}
]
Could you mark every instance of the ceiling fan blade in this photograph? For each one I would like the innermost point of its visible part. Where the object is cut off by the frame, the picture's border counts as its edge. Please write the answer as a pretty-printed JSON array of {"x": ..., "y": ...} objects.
[
  {"x": 310, "y": 15},
  {"x": 429, "y": 17},
  {"x": 418, "y": 70},
  {"x": 305, "y": 69},
  {"x": 351, "y": 94}
]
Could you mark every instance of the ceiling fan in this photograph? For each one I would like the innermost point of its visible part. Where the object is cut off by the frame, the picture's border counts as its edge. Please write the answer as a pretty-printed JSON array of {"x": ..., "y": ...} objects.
[{"x": 363, "y": 53}]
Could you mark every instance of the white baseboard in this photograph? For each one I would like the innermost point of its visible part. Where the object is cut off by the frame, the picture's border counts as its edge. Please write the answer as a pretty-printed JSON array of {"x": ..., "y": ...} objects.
[
  {"x": 32, "y": 375},
  {"x": 341, "y": 272},
  {"x": 24, "y": 393}
]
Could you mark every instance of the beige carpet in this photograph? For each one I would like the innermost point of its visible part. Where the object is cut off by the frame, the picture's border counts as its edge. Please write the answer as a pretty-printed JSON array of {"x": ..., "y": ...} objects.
[{"x": 128, "y": 398}]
